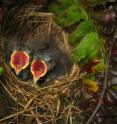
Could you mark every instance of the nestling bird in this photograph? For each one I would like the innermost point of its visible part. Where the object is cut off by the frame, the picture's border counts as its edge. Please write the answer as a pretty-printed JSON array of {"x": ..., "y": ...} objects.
[
  {"x": 20, "y": 60},
  {"x": 50, "y": 60},
  {"x": 44, "y": 61}
]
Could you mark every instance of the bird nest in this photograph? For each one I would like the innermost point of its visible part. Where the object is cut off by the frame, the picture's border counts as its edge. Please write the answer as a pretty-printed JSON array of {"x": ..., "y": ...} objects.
[{"x": 57, "y": 101}]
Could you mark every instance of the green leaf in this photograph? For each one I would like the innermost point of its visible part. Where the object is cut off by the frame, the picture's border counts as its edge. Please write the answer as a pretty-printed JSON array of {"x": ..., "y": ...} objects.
[
  {"x": 56, "y": 9},
  {"x": 63, "y": 5},
  {"x": 68, "y": 12},
  {"x": 82, "y": 30},
  {"x": 89, "y": 43},
  {"x": 1, "y": 70},
  {"x": 67, "y": 3},
  {"x": 94, "y": 53},
  {"x": 70, "y": 16}
]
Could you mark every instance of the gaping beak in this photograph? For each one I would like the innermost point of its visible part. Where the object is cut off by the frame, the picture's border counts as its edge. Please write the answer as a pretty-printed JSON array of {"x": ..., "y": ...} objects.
[
  {"x": 19, "y": 61},
  {"x": 38, "y": 69}
]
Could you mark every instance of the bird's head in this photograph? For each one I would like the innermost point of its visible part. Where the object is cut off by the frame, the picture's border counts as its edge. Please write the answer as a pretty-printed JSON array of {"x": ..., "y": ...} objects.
[
  {"x": 19, "y": 60},
  {"x": 38, "y": 69}
]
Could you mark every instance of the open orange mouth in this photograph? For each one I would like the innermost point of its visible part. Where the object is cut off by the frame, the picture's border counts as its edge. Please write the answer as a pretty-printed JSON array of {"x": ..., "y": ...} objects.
[
  {"x": 19, "y": 61},
  {"x": 38, "y": 69}
]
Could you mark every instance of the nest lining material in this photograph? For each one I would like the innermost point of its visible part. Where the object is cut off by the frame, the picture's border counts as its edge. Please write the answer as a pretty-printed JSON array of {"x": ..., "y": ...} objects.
[{"x": 28, "y": 103}]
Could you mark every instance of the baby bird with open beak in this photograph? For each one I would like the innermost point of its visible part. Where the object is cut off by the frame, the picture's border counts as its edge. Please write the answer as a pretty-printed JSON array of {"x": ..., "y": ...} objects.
[
  {"x": 44, "y": 61},
  {"x": 20, "y": 59}
]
